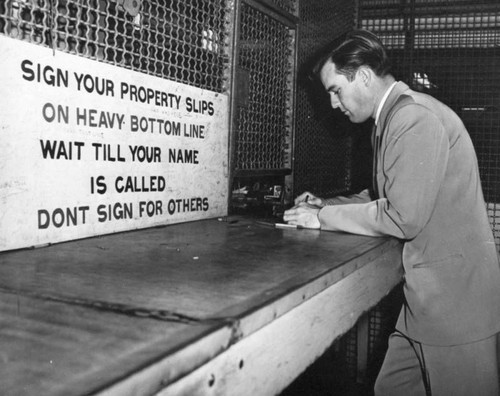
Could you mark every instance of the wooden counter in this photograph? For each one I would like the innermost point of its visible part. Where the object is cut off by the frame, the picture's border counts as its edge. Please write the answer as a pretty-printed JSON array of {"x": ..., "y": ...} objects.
[{"x": 208, "y": 307}]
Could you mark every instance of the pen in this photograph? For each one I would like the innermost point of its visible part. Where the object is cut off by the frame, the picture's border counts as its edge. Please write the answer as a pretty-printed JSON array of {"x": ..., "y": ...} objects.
[
  {"x": 284, "y": 225},
  {"x": 266, "y": 223}
]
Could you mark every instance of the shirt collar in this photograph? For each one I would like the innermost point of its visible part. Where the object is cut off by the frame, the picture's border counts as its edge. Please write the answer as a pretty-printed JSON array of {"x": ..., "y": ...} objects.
[{"x": 382, "y": 102}]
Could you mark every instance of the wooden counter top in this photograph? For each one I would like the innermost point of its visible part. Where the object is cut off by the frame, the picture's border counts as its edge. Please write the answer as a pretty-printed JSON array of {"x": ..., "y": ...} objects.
[{"x": 138, "y": 312}]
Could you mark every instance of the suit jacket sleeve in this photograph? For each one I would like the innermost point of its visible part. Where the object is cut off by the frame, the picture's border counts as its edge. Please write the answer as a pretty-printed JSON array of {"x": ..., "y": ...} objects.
[
  {"x": 411, "y": 166},
  {"x": 361, "y": 197}
]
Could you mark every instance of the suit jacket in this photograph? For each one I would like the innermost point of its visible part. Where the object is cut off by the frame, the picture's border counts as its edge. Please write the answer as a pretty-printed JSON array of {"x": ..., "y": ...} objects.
[{"x": 428, "y": 193}]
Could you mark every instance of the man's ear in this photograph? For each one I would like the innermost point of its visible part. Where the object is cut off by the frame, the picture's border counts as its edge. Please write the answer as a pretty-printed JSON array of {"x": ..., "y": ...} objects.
[{"x": 365, "y": 74}]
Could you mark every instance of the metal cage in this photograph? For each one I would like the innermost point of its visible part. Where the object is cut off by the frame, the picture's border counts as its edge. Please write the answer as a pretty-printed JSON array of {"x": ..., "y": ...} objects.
[
  {"x": 266, "y": 62},
  {"x": 325, "y": 143},
  {"x": 187, "y": 42}
]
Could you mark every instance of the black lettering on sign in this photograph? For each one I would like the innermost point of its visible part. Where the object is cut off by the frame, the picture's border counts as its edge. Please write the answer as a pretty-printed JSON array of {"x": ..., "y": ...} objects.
[
  {"x": 183, "y": 156},
  {"x": 145, "y": 153},
  {"x": 60, "y": 217},
  {"x": 99, "y": 119},
  {"x": 147, "y": 95},
  {"x": 194, "y": 131},
  {"x": 199, "y": 106},
  {"x": 94, "y": 84},
  {"x": 116, "y": 211},
  {"x": 59, "y": 149},
  {"x": 46, "y": 74},
  {"x": 140, "y": 184},
  {"x": 150, "y": 208},
  {"x": 151, "y": 124},
  {"x": 98, "y": 185},
  {"x": 182, "y": 205},
  {"x": 50, "y": 113},
  {"x": 142, "y": 123},
  {"x": 108, "y": 152}
]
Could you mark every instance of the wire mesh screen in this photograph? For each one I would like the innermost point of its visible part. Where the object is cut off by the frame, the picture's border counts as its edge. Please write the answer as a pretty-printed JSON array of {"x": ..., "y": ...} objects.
[
  {"x": 450, "y": 50},
  {"x": 381, "y": 323},
  {"x": 289, "y": 6},
  {"x": 187, "y": 42},
  {"x": 325, "y": 140},
  {"x": 264, "y": 119}
]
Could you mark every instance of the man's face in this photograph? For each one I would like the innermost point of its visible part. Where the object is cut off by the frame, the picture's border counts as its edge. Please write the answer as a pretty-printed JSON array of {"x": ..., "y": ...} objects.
[{"x": 351, "y": 97}]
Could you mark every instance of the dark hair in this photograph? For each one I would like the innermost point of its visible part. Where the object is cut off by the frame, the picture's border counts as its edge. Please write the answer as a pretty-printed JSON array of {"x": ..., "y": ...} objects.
[{"x": 357, "y": 48}]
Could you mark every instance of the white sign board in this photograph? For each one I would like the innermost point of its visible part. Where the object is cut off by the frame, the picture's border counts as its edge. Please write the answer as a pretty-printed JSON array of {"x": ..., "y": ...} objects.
[{"x": 88, "y": 148}]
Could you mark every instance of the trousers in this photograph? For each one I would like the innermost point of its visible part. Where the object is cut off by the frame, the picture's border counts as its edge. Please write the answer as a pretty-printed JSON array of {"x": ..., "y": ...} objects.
[{"x": 414, "y": 369}]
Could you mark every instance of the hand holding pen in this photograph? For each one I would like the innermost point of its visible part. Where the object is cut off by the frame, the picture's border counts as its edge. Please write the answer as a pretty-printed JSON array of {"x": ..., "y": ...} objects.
[
  {"x": 305, "y": 212},
  {"x": 309, "y": 198}
]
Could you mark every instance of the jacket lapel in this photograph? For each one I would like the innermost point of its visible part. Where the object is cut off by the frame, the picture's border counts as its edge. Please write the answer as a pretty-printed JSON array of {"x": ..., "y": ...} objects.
[
  {"x": 378, "y": 130},
  {"x": 393, "y": 97}
]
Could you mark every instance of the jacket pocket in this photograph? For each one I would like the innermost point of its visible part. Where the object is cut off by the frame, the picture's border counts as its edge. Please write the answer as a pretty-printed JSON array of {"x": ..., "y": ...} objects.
[{"x": 434, "y": 287}]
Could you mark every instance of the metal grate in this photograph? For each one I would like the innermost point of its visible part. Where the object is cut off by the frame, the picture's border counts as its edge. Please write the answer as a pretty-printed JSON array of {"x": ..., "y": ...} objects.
[
  {"x": 381, "y": 323},
  {"x": 450, "y": 50},
  {"x": 187, "y": 42},
  {"x": 348, "y": 348},
  {"x": 289, "y": 6},
  {"x": 264, "y": 121},
  {"x": 324, "y": 142},
  {"x": 494, "y": 216}
]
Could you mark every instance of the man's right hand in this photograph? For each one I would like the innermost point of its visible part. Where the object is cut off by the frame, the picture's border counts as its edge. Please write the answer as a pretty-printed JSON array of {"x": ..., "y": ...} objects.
[{"x": 310, "y": 199}]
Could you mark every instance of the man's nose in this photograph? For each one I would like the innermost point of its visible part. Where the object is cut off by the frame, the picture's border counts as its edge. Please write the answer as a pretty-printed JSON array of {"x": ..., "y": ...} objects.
[{"x": 335, "y": 102}]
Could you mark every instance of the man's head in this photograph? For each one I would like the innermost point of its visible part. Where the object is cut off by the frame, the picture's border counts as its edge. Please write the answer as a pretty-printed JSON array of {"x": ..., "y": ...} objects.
[{"x": 355, "y": 74}]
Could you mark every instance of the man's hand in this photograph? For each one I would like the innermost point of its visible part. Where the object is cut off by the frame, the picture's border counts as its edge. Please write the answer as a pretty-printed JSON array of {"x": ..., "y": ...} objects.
[
  {"x": 310, "y": 199},
  {"x": 303, "y": 214}
]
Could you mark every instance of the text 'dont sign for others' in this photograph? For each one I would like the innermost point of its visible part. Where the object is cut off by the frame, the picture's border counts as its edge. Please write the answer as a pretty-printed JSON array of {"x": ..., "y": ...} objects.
[{"x": 89, "y": 148}]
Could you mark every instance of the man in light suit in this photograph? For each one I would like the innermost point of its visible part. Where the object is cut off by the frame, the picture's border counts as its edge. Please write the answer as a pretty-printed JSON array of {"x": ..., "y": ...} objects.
[{"x": 426, "y": 192}]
